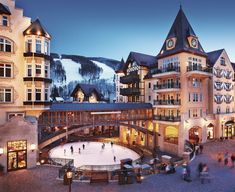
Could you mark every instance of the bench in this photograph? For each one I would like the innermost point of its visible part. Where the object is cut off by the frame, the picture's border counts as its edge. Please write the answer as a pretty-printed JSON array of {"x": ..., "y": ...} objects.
[{"x": 99, "y": 177}]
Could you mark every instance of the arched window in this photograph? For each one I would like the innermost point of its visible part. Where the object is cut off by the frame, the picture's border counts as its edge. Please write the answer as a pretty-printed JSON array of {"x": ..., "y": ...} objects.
[{"x": 6, "y": 45}]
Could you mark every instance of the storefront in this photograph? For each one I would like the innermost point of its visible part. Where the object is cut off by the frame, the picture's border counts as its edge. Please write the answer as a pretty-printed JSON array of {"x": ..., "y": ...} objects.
[
  {"x": 16, "y": 155},
  {"x": 229, "y": 129}
]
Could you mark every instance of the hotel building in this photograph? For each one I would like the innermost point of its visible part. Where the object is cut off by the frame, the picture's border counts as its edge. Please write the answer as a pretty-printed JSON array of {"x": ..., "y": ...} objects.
[
  {"x": 192, "y": 92},
  {"x": 24, "y": 85}
]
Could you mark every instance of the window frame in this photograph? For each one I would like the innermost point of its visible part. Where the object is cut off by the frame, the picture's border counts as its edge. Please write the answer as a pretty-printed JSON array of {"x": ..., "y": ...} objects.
[
  {"x": 6, "y": 92},
  {"x": 4, "y": 43},
  {"x": 5, "y": 67},
  {"x": 5, "y": 19},
  {"x": 38, "y": 92}
]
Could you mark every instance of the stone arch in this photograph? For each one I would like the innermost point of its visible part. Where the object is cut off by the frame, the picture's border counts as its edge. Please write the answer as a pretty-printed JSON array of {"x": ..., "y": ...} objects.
[{"x": 195, "y": 134}]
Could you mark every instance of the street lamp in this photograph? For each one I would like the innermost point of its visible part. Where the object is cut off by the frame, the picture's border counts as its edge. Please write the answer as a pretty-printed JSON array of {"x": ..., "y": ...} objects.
[
  {"x": 222, "y": 128},
  {"x": 69, "y": 174}
]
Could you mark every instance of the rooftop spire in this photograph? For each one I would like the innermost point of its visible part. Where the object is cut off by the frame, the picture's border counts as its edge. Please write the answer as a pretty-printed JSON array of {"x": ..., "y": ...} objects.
[{"x": 180, "y": 31}]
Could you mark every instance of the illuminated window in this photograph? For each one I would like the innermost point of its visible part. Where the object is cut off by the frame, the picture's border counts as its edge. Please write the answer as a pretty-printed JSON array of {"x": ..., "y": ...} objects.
[{"x": 11, "y": 115}]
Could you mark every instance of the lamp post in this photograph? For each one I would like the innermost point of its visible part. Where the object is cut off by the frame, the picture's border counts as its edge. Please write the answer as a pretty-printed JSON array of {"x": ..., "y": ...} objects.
[
  {"x": 69, "y": 174},
  {"x": 222, "y": 128}
]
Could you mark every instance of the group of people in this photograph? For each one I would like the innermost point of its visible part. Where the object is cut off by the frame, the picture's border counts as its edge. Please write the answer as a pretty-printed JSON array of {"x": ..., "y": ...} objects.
[
  {"x": 225, "y": 157},
  {"x": 71, "y": 149}
]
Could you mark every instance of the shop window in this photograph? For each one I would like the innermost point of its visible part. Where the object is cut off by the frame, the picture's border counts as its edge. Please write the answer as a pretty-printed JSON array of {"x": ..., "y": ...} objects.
[{"x": 171, "y": 135}]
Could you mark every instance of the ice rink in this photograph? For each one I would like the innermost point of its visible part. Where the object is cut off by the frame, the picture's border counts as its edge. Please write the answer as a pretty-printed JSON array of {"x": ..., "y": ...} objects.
[{"x": 93, "y": 153}]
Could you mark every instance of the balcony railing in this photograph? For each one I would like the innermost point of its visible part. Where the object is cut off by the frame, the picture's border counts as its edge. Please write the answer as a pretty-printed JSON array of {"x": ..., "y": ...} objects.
[
  {"x": 199, "y": 68},
  {"x": 167, "y": 86},
  {"x": 131, "y": 78},
  {"x": 167, "y": 102},
  {"x": 167, "y": 118},
  {"x": 129, "y": 91},
  {"x": 165, "y": 70}
]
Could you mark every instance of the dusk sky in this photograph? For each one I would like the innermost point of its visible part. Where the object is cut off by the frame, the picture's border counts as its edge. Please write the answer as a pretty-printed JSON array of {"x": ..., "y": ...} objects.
[{"x": 113, "y": 28}]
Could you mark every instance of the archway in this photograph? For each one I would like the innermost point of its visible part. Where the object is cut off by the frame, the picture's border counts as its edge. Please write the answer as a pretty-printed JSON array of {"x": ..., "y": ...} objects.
[
  {"x": 210, "y": 131},
  {"x": 229, "y": 129},
  {"x": 195, "y": 134}
]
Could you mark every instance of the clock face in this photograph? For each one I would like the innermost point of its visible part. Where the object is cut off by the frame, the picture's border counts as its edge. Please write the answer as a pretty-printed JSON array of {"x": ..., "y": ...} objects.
[
  {"x": 170, "y": 43},
  {"x": 194, "y": 42}
]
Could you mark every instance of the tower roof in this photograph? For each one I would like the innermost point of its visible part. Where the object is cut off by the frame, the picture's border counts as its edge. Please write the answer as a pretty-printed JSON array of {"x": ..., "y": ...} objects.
[
  {"x": 36, "y": 28},
  {"x": 181, "y": 30},
  {"x": 4, "y": 9}
]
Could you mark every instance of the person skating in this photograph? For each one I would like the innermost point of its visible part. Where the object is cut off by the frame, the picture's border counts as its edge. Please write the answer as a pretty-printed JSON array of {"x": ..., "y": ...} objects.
[
  {"x": 233, "y": 159},
  {"x": 83, "y": 146},
  {"x": 201, "y": 148},
  {"x": 225, "y": 158},
  {"x": 71, "y": 149}
]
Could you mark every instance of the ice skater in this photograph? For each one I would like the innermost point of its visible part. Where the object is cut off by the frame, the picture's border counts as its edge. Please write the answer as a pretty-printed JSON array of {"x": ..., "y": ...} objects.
[
  {"x": 111, "y": 144},
  {"x": 79, "y": 150},
  {"x": 64, "y": 152},
  {"x": 83, "y": 146},
  {"x": 114, "y": 158},
  {"x": 71, "y": 149}
]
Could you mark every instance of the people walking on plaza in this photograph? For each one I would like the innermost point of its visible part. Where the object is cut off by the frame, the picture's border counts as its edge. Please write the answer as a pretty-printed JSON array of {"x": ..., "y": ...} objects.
[
  {"x": 219, "y": 157},
  {"x": 186, "y": 174},
  {"x": 225, "y": 158},
  {"x": 83, "y": 146},
  {"x": 71, "y": 149},
  {"x": 233, "y": 159},
  {"x": 201, "y": 148}
]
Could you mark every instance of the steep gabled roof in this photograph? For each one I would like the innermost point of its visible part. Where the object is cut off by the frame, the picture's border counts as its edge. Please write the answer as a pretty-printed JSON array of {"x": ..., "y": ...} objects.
[
  {"x": 4, "y": 9},
  {"x": 120, "y": 66},
  {"x": 36, "y": 28},
  {"x": 233, "y": 65},
  {"x": 87, "y": 89},
  {"x": 181, "y": 30},
  {"x": 213, "y": 56},
  {"x": 141, "y": 60}
]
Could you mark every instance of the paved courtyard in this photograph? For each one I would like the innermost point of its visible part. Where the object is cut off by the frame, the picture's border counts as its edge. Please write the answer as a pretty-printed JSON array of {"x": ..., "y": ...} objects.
[{"x": 44, "y": 178}]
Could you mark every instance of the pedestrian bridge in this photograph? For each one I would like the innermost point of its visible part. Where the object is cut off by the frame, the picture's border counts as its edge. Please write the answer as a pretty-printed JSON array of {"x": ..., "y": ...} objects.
[{"x": 64, "y": 119}]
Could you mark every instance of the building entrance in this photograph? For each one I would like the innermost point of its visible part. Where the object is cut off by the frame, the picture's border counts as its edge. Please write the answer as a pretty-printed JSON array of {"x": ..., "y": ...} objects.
[{"x": 16, "y": 155}]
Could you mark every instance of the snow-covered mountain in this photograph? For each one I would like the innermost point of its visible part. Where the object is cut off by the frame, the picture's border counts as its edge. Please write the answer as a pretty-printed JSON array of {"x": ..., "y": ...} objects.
[{"x": 68, "y": 70}]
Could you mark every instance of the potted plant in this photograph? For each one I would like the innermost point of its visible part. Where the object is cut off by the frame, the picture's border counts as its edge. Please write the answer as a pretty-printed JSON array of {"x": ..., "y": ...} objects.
[{"x": 1, "y": 169}]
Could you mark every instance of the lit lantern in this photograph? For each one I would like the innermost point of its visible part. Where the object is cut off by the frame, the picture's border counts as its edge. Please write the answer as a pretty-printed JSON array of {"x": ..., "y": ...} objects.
[{"x": 32, "y": 147}]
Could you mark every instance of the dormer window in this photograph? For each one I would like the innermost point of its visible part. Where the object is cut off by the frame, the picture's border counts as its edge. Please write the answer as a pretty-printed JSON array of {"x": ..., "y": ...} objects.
[
  {"x": 5, "y": 45},
  {"x": 5, "y": 21},
  {"x": 222, "y": 61}
]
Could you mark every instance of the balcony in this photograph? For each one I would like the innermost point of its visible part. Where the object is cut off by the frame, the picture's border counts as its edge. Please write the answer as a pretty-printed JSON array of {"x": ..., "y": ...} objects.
[
  {"x": 167, "y": 87},
  {"x": 166, "y": 72},
  {"x": 131, "y": 78},
  {"x": 31, "y": 54},
  {"x": 129, "y": 91},
  {"x": 46, "y": 103},
  {"x": 42, "y": 79},
  {"x": 198, "y": 71},
  {"x": 167, "y": 102},
  {"x": 167, "y": 118}
]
